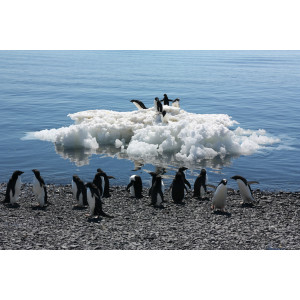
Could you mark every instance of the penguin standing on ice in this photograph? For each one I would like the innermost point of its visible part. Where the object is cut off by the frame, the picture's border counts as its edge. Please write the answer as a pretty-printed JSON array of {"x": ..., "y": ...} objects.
[
  {"x": 139, "y": 104},
  {"x": 200, "y": 187},
  {"x": 13, "y": 189},
  {"x": 178, "y": 188},
  {"x": 157, "y": 196},
  {"x": 39, "y": 188},
  {"x": 245, "y": 189},
  {"x": 166, "y": 100},
  {"x": 94, "y": 201},
  {"x": 135, "y": 186},
  {"x": 176, "y": 103},
  {"x": 105, "y": 184},
  {"x": 157, "y": 105},
  {"x": 181, "y": 171},
  {"x": 79, "y": 191},
  {"x": 220, "y": 195}
]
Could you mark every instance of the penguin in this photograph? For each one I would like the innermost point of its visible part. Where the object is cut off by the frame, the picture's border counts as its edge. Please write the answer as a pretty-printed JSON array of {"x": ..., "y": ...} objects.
[
  {"x": 200, "y": 185},
  {"x": 178, "y": 188},
  {"x": 157, "y": 105},
  {"x": 245, "y": 189},
  {"x": 94, "y": 201},
  {"x": 176, "y": 103},
  {"x": 39, "y": 188},
  {"x": 98, "y": 181},
  {"x": 79, "y": 191},
  {"x": 220, "y": 195},
  {"x": 13, "y": 189},
  {"x": 135, "y": 186},
  {"x": 157, "y": 196},
  {"x": 181, "y": 170},
  {"x": 163, "y": 117},
  {"x": 166, "y": 100},
  {"x": 154, "y": 175},
  {"x": 139, "y": 104},
  {"x": 106, "y": 178}
]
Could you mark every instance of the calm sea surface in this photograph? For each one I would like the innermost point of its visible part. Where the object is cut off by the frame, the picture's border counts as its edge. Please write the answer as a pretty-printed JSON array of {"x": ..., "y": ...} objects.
[{"x": 258, "y": 89}]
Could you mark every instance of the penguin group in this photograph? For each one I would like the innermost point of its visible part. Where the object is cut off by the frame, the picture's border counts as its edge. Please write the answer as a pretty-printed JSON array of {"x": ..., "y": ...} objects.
[{"x": 91, "y": 194}]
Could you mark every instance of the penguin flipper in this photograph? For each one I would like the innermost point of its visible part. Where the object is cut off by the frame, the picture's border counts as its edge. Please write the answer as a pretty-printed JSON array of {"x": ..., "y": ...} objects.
[
  {"x": 129, "y": 185},
  {"x": 212, "y": 186},
  {"x": 187, "y": 183}
]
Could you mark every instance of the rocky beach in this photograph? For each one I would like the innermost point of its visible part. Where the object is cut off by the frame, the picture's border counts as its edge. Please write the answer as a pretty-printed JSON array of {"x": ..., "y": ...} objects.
[{"x": 271, "y": 224}]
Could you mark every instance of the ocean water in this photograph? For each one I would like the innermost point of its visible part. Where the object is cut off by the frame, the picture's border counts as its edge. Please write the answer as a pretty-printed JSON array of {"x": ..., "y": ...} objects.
[{"x": 69, "y": 112}]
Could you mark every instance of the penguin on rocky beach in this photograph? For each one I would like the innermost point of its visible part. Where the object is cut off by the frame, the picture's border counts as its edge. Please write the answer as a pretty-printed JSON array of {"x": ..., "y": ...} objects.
[
  {"x": 94, "y": 201},
  {"x": 245, "y": 189},
  {"x": 139, "y": 104},
  {"x": 39, "y": 188},
  {"x": 105, "y": 184},
  {"x": 79, "y": 191},
  {"x": 154, "y": 175},
  {"x": 178, "y": 188},
  {"x": 13, "y": 189},
  {"x": 220, "y": 196},
  {"x": 157, "y": 196},
  {"x": 98, "y": 181},
  {"x": 135, "y": 186},
  {"x": 181, "y": 171},
  {"x": 200, "y": 187}
]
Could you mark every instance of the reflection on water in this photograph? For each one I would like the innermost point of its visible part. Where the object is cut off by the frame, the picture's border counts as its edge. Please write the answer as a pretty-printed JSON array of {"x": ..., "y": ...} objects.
[{"x": 81, "y": 157}]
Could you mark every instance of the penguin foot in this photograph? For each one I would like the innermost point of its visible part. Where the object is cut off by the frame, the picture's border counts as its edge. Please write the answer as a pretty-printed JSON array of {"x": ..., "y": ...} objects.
[
  {"x": 78, "y": 207},
  {"x": 38, "y": 207},
  {"x": 15, "y": 205}
]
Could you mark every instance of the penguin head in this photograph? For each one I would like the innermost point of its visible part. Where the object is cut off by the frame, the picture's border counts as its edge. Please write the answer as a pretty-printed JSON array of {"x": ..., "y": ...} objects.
[
  {"x": 182, "y": 169},
  {"x": 203, "y": 172},
  {"x": 153, "y": 174},
  {"x": 176, "y": 100},
  {"x": 17, "y": 173},
  {"x": 36, "y": 172},
  {"x": 165, "y": 96},
  {"x": 75, "y": 178},
  {"x": 164, "y": 113},
  {"x": 223, "y": 181},
  {"x": 236, "y": 177},
  {"x": 156, "y": 99},
  {"x": 100, "y": 170}
]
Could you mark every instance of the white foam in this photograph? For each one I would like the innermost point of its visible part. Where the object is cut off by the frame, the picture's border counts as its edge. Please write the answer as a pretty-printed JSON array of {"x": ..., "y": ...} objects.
[{"x": 141, "y": 134}]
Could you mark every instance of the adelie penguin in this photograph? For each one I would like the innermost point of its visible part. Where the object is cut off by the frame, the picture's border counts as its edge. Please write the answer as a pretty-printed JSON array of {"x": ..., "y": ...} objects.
[
  {"x": 157, "y": 196},
  {"x": 13, "y": 189},
  {"x": 245, "y": 190},
  {"x": 105, "y": 185},
  {"x": 94, "y": 201},
  {"x": 176, "y": 103},
  {"x": 79, "y": 191},
  {"x": 39, "y": 188},
  {"x": 200, "y": 186},
  {"x": 154, "y": 175},
  {"x": 166, "y": 100},
  {"x": 181, "y": 171},
  {"x": 220, "y": 196},
  {"x": 157, "y": 105},
  {"x": 135, "y": 186},
  {"x": 178, "y": 188},
  {"x": 139, "y": 104}
]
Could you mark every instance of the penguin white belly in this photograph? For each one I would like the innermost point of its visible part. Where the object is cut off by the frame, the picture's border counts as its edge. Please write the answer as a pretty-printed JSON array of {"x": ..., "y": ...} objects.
[
  {"x": 91, "y": 201},
  {"x": 103, "y": 185},
  {"x": 175, "y": 104},
  {"x": 202, "y": 191},
  {"x": 245, "y": 192},
  {"x": 219, "y": 198},
  {"x": 74, "y": 189},
  {"x": 38, "y": 191},
  {"x": 162, "y": 187},
  {"x": 132, "y": 191},
  {"x": 81, "y": 199},
  {"x": 13, "y": 199},
  {"x": 158, "y": 200}
]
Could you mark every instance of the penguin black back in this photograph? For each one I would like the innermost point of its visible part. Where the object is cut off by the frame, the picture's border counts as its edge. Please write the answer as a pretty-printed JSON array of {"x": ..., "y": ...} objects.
[
  {"x": 178, "y": 187},
  {"x": 157, "y": 196},
  {"x": 139, "y": 104},
  {"x": 39, "y": 178},
  {"x": 181, "y": 171},
  {"x": 81, "y": 189},
  {"x": 200, "y": 182},
  {"x": 11, "y": 185},
  {"x": 106, "y": 193}
]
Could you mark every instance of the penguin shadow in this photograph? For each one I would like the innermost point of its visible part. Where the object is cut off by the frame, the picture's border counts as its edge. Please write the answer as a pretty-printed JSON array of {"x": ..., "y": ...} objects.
[
  {"x": 180, "y": 203},
  {"x": 250, "y": 205},
  {"x": 94, "y": 219},
  {"x": 78, "y": 207},
  {"x": 13, "y": 206},
  {"x": 38, "y": 207},
  {"x": 222, "y": 213}
]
